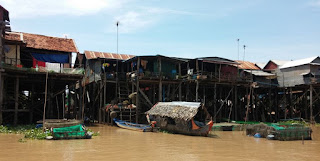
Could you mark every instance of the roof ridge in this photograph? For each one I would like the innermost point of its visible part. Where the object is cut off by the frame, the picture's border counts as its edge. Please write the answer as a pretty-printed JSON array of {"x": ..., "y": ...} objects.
[{"x": 15, "y": 32}]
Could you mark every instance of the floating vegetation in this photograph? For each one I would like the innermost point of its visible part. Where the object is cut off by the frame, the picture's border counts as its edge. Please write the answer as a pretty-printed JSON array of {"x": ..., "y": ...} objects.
[
  {"x": 30, "y": 132},
  {"x": 93, "y": 133}
]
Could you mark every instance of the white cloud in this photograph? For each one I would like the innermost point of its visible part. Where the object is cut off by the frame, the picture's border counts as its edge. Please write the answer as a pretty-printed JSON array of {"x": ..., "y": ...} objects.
[
  {"x": 40, "y": 8},
  {"x": 315, "y": 3},
  {"x": 133, "y": 21},
  {"x": 143, "y": 17}
]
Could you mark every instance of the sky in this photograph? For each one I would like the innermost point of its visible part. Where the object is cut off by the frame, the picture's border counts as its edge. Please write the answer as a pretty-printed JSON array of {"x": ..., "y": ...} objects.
[{"x": 270, "y": 29}]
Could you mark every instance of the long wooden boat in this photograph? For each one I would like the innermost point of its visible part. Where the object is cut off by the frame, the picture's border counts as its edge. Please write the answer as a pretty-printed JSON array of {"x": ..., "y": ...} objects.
[{"x": 133, "y": 126}]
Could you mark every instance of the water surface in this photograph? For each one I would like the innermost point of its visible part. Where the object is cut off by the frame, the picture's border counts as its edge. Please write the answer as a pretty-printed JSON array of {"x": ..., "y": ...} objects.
[{"x": 120, "y": 144}]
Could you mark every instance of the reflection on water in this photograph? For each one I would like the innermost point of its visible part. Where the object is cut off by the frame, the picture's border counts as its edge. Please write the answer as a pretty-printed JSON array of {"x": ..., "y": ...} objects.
[{"x": 120, "y": 144}]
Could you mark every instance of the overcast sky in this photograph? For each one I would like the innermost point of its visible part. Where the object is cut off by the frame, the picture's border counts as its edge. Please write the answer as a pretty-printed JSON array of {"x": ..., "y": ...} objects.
[{"x": 271, "y": 29}]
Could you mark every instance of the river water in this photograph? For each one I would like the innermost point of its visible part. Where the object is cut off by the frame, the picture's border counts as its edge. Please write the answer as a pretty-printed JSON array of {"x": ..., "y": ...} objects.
[{"x": 120, "y": 144}]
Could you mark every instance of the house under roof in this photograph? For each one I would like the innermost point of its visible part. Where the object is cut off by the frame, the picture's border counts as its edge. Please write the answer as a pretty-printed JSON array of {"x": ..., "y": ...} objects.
[
  {"x": 43, "y": 42},
  {"x": 247, "y": 65},
  {"x": 104, "y": 55},
  {"x": 311, "y": 60}
]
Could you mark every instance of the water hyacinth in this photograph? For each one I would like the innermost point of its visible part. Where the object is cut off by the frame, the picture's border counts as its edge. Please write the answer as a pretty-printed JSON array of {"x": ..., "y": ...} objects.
[{"x": 29, "y": 131}]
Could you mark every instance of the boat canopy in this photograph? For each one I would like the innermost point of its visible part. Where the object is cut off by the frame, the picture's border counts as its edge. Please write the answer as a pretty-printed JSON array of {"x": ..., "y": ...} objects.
[{"x": 175, "y": 110}]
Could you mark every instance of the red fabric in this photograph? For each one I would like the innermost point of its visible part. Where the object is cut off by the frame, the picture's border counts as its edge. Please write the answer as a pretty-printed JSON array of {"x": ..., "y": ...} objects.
[{"x": 40, "y": 63}]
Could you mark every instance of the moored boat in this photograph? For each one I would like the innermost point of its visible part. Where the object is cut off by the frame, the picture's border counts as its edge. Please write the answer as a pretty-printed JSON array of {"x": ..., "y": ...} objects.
[
  {"x": 71, "y": 132},
  {"x": 133, "y": 126},
  {"x": 181, "y": 117}
]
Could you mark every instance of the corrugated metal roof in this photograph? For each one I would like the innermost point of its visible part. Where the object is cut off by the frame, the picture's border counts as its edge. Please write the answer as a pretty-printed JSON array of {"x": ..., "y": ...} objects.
[
  {"x": 217, "y": 60},
  {"x": 279, "y": 62},
  {"x": 259, "y": 73},
  {"x": 104, "y": 55},
  {"x": 261, "y": 65},
  {"x": 247, "y": 65},
  {"x": 298, "y": 62}
]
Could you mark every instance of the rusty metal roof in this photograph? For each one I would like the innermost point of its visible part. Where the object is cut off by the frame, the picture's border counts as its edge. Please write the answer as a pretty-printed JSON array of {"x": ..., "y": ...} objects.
[
  {"x": 247, "y": 65},
  {"x": 104, "y": 55},
  {"x": 36, "y": 41}
]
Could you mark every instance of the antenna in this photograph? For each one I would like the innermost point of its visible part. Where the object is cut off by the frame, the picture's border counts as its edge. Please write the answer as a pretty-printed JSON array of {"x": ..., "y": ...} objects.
[
  {"x": 244, "y": 51},
  {"x": 117, "y": 36},
  {"x": 238, "y": 48}
]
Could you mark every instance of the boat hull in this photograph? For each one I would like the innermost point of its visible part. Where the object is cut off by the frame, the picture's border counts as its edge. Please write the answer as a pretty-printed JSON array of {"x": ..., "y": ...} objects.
[{"x": 133, "y": 126}]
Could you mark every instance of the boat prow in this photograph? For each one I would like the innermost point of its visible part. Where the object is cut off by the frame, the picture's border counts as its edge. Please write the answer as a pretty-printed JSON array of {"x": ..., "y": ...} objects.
[{"x": 133, "y": 126}]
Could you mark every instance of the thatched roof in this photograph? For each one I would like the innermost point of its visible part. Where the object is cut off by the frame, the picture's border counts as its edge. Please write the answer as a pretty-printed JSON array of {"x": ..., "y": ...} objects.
[{"x": 180, "y": 110}]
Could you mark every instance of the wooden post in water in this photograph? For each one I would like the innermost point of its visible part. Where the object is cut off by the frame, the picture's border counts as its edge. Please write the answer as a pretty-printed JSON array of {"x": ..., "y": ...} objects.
[
  {"x": 215, "y": 102},
  {"x": 197, "y": 90},
  {"x": 100, "y": 103},
  {"x": 311, "y": 104},
  {"x": 16, "y": 101},
  {"x": 236, "y": 102},
  {"x": 160, "y": 79},
  {"x": 180, "y": 93},
  {"x": 45, "y": 103},
  {"x": 138, "y": 95},
  {"x": 104, "y": 98},
  {"x": 2, "y": 26},
  {"x": 32, "y": 102}
]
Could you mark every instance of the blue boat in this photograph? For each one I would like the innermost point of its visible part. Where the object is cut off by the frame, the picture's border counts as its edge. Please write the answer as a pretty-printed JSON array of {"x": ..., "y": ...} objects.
[{"x": 133, "y": 126}]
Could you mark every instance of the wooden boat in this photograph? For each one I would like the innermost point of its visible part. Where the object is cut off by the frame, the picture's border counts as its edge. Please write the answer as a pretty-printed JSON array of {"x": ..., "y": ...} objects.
[
  {"x": 133, "y": 126},
  {"x": 179, "y": 117}
]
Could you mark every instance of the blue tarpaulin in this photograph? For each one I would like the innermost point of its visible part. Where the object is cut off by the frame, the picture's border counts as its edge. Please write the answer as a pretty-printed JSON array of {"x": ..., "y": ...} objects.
[{"x": 52, "y": 58}]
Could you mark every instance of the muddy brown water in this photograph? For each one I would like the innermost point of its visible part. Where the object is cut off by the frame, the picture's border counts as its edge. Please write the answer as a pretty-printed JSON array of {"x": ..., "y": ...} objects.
[{"x": 120, "y": 144}]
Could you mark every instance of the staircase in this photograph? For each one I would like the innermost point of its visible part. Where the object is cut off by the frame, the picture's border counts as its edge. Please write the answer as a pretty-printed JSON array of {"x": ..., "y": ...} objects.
[{"x": 123, "y": 91}]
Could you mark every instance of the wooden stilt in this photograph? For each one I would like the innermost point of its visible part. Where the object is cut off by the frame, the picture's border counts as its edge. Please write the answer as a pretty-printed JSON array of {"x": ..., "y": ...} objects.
[
  {"x": 180, "y": 91},
  {"x": 138, "y": 95},
  {"x": 160, "y": 79},
  {"x": 16, "y": 100},
  {"x": 197, "y": 90},
  {"x": 1, "y": 92},
  {"x": 215, "y": 102},
  {"x": 45, "y": 103},
  {"x": 236, "y": 103},
  {"x": 311, "y": 104},
  {"x": 105, "y": 99},
  {"x": 100, "y": 104},
  {"x": 31, "y": 95}
]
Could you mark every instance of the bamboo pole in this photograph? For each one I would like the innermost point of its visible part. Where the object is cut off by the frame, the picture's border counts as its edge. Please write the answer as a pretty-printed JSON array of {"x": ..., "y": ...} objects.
[{"x": 45, "y": 103}]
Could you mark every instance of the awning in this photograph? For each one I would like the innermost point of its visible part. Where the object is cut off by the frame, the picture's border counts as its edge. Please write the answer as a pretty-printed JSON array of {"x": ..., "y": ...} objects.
[{"x": 52, "y": 58}]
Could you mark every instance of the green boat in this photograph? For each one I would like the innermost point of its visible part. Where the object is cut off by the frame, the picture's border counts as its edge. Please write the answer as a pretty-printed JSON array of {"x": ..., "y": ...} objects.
[{"x": 71, "y": 132}]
